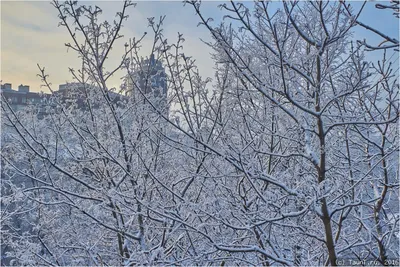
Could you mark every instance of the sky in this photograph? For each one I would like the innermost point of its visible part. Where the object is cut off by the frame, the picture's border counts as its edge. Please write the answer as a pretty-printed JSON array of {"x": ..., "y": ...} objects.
[{"x": 30, "y": 35}]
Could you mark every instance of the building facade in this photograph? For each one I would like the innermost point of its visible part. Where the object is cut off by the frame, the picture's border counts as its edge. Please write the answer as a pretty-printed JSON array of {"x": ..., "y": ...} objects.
[
  {"x": 21, "y": 98},
  {"x": 151, "y": 83}
]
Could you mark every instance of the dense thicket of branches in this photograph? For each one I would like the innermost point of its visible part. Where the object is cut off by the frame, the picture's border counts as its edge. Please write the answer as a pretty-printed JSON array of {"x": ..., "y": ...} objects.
[{"x": 289, "y": 156}]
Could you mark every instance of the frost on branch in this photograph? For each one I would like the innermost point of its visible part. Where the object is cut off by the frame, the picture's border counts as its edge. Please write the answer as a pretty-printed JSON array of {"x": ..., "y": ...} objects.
[{"x": 288, "y": 156}]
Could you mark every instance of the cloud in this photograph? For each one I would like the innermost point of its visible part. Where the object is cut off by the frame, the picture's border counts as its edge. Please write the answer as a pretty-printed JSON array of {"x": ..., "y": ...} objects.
[
  {"x": 36, "y": 16},
  {"x": 30, "y": 35}
]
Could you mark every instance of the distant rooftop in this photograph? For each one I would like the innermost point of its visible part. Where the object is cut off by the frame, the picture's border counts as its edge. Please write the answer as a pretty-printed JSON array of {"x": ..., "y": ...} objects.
[{"x": 21, "y": 88}]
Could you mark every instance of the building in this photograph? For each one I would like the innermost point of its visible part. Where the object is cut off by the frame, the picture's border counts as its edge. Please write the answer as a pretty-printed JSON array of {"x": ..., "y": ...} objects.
[
  {"x": 77, "y": 93},
  {"x": 151, "y": 80},
  {"x": 21, "y": 98}
]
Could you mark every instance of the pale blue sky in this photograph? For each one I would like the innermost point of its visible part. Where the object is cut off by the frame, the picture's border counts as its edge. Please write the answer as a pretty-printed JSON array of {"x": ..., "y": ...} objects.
[{"x": 29, "y": 35}]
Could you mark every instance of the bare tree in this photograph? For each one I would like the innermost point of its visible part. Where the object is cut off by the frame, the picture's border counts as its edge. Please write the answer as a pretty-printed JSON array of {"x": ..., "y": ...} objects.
[
  {"x": 387, "y": 42},
  {"x": 317, "y": 80},
  {"x": 289, "y": 156}
]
